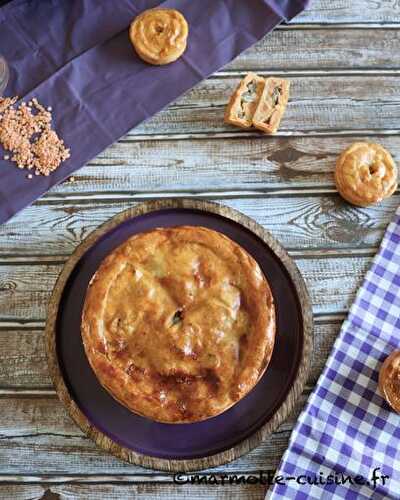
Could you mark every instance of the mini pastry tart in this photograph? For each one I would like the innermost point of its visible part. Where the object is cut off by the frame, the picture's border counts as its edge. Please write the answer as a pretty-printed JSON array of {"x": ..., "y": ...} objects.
[
  {"x": 272, "y": 105},
  {"x": 159, "y": 36},
  {"x": 244, "y": 101},
  {"x": 365, "y": 174},
  {"x": 389, "y": 380}
]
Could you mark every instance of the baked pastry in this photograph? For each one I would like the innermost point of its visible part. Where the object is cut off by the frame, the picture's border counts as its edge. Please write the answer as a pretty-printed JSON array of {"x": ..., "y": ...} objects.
[
  {"x": 244, "y": 101},
  {"x": 179, "y": 324},
  {"x": 365, "y": 174},
  {"x": 389, "y": 380},
  {"x": 271, "y": 105},
  {"x": 159, "y": 36},
  {"x": 258, "y": 102}
]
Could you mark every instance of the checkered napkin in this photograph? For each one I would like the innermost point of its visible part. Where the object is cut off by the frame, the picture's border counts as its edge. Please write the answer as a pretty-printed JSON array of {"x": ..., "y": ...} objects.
[{"x": 347, "y": 429}]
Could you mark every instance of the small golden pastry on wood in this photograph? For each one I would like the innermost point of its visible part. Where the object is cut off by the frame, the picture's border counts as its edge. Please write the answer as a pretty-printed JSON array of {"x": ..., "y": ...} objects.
[
  {"x": 159, "y": 36},
  {"x": 244, "y": 101},
  {"x": 365, "y": 174},
  {"x": 389, "y": 380},
  {"x": 179, "y": 324},
  {"x": 271, "y": 105}
]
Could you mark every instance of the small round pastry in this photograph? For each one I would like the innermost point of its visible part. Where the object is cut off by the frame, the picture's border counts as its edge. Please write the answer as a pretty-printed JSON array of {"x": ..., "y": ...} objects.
[
  {"x": 179, "y": 324},
  {"x": 159, "y": 36},
  {"x": 365, "y": 174},
  {"x": 389, "y": 380}
]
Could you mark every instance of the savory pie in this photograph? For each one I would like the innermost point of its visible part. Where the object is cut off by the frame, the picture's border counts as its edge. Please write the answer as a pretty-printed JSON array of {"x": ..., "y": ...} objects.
[
  {"x": 258, "y": 102},
  {"x": 179, "y": 324},
  {"x": 366, "y": 174},
  {"x": 159, "y": 36}
]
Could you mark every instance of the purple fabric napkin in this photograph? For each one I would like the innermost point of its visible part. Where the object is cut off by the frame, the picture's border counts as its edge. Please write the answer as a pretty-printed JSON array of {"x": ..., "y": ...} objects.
[
  {"x": 76, "y": 57},
  {"x": 346, "y": 444}
]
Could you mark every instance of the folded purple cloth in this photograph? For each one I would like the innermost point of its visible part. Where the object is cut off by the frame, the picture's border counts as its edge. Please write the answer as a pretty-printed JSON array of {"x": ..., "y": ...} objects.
[{"x": 76, "y": 57}]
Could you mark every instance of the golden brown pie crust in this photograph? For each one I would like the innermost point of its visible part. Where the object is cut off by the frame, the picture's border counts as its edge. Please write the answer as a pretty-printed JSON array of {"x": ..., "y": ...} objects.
[
  {"x": 179, "y": 324},
  {"x": 365, "y": 174},
  {"x": 389, "y": 380},
  {"x": 159, "y": 36}
]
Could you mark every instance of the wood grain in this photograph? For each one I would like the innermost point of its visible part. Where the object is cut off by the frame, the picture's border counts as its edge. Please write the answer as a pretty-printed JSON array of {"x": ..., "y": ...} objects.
[
  {"x": 330, "y": 103},
  {"x": 23, "y": 359},
  {"x": 317, "y": 49},
  {"x": 299, "y": 221},
  {"x": 351, "y": 11},
  {"x": 262, "y": 164},
  {"x": 137, "y": 492}
]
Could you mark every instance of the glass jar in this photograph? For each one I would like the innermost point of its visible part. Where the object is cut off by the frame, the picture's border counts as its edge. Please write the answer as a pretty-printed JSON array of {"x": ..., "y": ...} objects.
[{"x": 4, "y": 74}]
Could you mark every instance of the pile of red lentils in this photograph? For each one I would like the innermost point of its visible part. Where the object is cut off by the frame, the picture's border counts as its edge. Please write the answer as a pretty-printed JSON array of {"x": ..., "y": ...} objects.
[{"x": 26, "y": 133}]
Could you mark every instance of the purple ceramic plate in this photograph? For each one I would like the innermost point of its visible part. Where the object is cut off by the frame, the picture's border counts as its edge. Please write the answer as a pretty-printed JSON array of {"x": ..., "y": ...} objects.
[{"x": 181, "y": 441}]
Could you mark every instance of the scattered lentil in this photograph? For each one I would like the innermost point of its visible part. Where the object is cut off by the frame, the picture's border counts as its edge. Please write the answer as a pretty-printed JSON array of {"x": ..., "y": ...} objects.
[
  {"x": 27, "y": 133},
  {"x": 6, "y": 102}
]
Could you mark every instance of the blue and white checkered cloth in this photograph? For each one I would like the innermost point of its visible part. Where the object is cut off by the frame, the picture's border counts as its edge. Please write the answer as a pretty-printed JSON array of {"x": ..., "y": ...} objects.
[{"x": 347, "y": 429}]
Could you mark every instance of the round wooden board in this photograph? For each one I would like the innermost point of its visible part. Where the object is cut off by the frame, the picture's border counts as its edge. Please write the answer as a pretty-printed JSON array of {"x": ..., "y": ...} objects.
[{"x": 249, "y": 443}]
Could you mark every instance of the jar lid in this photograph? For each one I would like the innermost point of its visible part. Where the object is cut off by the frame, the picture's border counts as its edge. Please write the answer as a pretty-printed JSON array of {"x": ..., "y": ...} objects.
[{"x": 4, "y": 74}]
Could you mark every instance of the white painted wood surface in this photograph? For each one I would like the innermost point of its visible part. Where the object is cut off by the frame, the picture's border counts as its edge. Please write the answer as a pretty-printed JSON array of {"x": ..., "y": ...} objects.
[{"x": 342, "y": 59}]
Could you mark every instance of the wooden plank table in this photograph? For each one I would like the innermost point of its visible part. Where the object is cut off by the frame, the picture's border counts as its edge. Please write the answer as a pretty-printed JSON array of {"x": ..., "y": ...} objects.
[{"x": 342, "y": 57}]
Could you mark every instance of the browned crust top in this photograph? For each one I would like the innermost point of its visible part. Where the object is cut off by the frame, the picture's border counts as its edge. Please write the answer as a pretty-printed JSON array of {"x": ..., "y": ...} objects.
[
  {"x": 179, "y": 323},
  {"x": 159, "y": 35},
  {"x": 365, "y": 174},
  {"x": 389, "y": 380}
]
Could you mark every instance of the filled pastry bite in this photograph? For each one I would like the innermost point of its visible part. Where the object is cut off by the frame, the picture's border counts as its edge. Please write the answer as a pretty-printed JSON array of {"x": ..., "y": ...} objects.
[
  {"x": 159, "y": 36},
  {"x": 365, "y": 174},
  {"x": 271, "y": 105},
  {"x": 258, "y": 102},
  {"x": 244, "y": 101}
]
